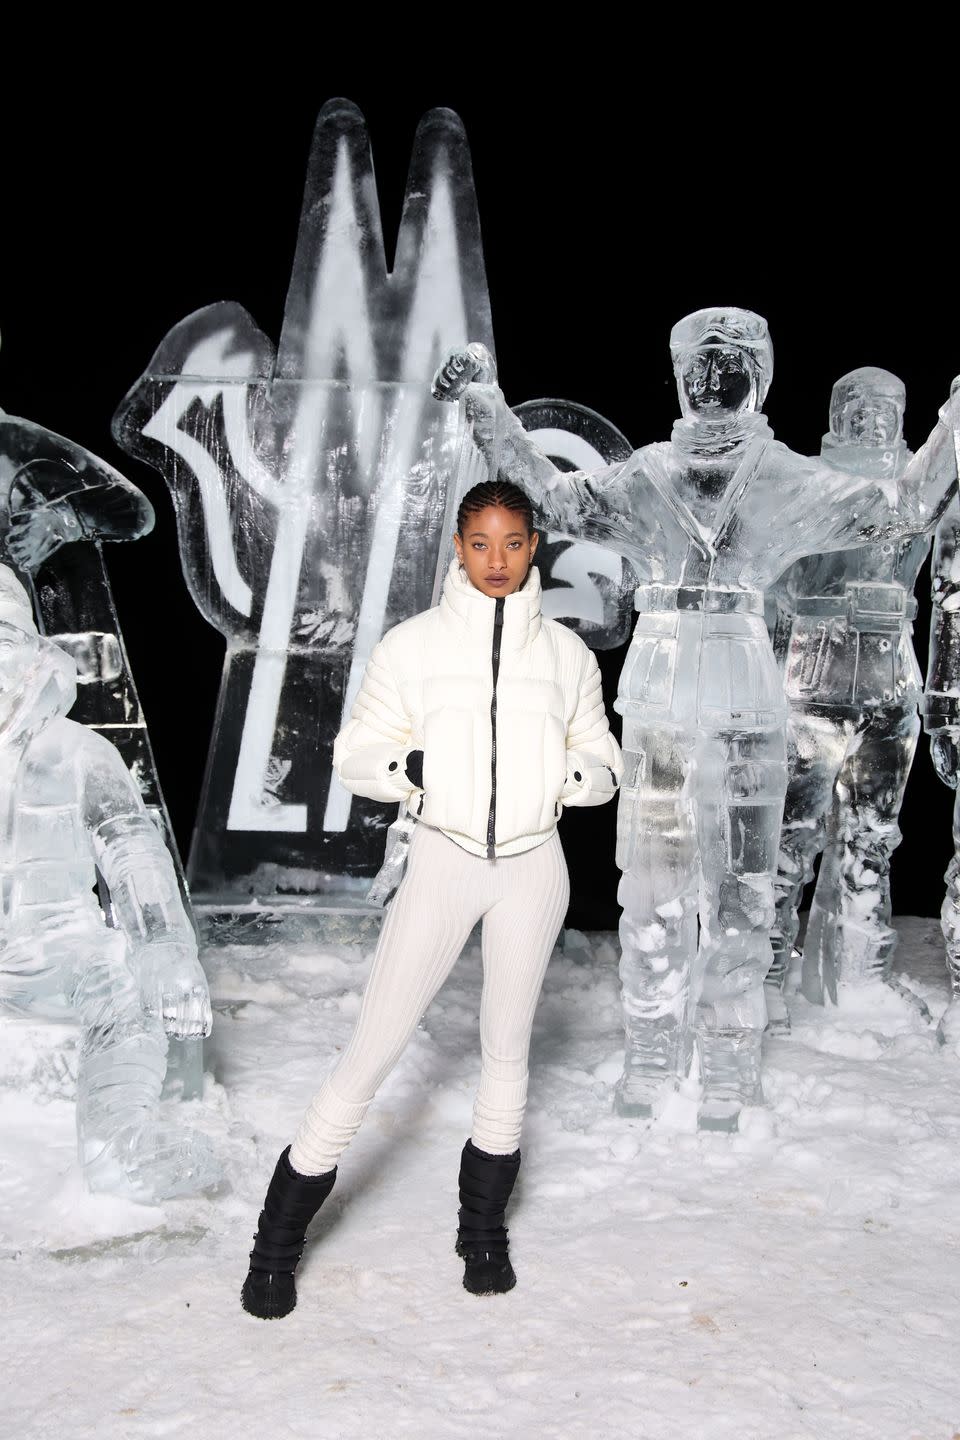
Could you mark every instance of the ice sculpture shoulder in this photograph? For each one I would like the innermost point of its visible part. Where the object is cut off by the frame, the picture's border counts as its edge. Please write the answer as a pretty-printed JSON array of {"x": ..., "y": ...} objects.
[
  {"x": 708, "y": 520},
  {"x": 71, "y": 809}
]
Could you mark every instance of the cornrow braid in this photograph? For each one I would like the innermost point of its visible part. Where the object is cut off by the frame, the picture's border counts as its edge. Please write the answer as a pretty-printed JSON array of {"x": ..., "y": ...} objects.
[{"x": 495, "y": 492}]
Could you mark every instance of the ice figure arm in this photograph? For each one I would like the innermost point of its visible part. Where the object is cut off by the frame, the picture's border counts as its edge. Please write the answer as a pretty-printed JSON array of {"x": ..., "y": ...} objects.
[
  {"x": 594, "y": 762},
  {"x": 599, "y": 506},
  {"x": 826, "y": 508},
  {"x": 945, "y": 754},
  {"x": 370, "y": 753},
  {"x": 106, "y": 506},
  {"x": 73, "y": 497},
  {"x": 145, "y": 897},
  {"x": 941, "y": 697}
]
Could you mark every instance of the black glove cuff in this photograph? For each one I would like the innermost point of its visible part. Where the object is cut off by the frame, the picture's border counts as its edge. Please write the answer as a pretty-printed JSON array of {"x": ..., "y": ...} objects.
[{"x": 413, "y": 769}]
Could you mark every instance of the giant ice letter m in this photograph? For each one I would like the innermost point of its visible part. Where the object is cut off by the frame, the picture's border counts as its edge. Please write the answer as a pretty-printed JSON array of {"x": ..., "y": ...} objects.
[{"x": 309, "y": 490}]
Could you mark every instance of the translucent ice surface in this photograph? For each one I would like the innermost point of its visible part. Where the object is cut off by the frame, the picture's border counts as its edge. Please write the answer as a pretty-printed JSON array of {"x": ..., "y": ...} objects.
[
  {"x": 58, "y": 505},
  {"x": 707, "y": 520},
  {"x": 72, "y": 813},
  {"x": 843, "y": 629}
]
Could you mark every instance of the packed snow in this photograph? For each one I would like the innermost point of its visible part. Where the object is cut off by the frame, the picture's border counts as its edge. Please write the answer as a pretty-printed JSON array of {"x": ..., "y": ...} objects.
[{"x": 798, "y": 1278}]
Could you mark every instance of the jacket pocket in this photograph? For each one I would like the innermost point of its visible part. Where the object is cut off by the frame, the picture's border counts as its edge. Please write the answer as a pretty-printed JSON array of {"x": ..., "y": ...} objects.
[{"x": 456, "y": 765}]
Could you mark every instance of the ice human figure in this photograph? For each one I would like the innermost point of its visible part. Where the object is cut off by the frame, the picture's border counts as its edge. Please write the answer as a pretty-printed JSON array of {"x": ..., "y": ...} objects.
[
  {"x": 70, "y": 809},
  {"x": 708, "y": 521},
  {"x": 58, "y": 504},
  {"x": 941, "y": 720},
  {"x": 853, "y": 683}
]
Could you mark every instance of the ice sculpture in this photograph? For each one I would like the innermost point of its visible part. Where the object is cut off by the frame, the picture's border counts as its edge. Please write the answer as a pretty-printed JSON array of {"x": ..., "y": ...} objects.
[
  {"x": 58, "y": 503},
  {"x": 314, "y": 501},
  {"x": 707, "y": 520},
  {"x": 941, "y": 720},
  {"x": 586, "y": 586},
  {"x": 70, "y": 811},
  {"x": 852, "y": 680}
]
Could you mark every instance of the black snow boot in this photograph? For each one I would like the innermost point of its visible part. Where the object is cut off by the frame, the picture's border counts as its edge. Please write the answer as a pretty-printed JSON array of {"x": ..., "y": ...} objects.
[
  {"x": 291, "y": 1203},
  {"x": 486, "y": 1182}
]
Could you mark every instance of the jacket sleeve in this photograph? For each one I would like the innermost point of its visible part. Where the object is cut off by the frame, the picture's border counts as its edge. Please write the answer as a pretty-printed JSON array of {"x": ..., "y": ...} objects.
[
  {"x": 594, "y": 762},
  {"x": 369, "y": 754}
]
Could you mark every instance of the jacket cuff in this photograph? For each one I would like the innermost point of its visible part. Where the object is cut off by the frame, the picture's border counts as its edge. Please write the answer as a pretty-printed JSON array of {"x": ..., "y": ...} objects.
[
  {"x": 588, "y": 782},
  {"x": 377, "y": 771}
]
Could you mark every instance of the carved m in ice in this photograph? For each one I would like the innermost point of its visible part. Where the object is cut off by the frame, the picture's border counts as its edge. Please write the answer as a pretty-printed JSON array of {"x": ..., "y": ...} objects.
[{"x": 309, "y": 489}]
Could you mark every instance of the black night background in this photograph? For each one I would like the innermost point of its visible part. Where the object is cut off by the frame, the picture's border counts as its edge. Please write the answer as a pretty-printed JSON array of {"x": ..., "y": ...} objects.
[{"x": 607, "y": 213}]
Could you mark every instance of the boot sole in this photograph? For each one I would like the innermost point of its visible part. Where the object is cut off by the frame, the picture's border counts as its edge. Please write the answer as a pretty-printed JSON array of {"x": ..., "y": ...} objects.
[{"x": 266, "y": 1307}]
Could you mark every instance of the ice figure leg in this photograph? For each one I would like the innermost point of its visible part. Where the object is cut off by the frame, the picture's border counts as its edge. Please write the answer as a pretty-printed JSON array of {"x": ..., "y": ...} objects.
[
  {"x": 123, "y": 1144},
  {"x": 741, "y": 782},
  {"x": 949, "y": 1028},
  {"x": 519, "y": 933},
  {"x": 849, "y": 937},
  {"x": 816, "y": 745},
  {"x": 659, "y": 888}
]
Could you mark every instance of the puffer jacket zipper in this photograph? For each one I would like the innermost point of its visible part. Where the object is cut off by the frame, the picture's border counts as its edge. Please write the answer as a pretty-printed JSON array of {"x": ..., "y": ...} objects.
[{"x": 492, "y": 814}]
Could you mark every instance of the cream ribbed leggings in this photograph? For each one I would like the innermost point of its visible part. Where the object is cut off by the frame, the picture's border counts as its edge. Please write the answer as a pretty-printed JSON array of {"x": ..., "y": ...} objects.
[{"x": 522, "y": 900}]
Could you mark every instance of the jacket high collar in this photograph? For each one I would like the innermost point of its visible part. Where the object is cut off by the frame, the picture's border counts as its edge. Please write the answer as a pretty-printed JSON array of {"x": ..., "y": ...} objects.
[{"x": 465, "y": 605}]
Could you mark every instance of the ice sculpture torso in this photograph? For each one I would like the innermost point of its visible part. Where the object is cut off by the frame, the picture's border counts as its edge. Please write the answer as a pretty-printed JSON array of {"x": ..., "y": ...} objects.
[
  {"x": 707, "y": 534},
  {"x": 46, "y": 862},
  {"x": 843, "y": 618},
  {"x": 69, "y": 807}
]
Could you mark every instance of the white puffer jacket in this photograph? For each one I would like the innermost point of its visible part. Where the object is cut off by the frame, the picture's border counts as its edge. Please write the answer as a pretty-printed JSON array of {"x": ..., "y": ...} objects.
[{"x": 505, "y": 705}]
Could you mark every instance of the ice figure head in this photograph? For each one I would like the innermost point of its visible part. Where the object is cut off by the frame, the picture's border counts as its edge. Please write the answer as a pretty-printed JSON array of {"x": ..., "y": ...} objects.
[
  {"x": 723, "y": 361},
  {"x": 37, "y": 680},
  {"x": 866, "y": 407}
]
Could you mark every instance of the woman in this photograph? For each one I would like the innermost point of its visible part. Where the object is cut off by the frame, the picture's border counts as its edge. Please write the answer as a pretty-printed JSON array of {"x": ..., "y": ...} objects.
[{"x": 484, "y": 719}]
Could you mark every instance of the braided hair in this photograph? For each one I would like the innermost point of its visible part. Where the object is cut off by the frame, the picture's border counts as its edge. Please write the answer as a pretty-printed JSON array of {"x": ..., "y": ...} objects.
[{"x": 502, "y": 493}]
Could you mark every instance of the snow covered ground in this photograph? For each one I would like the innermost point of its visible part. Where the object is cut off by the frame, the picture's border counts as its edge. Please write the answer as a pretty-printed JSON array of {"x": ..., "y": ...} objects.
[{"x": 797, "y": 1279}]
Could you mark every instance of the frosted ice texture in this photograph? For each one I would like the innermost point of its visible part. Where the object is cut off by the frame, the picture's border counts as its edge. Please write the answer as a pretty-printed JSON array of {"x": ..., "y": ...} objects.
[
  {"x": 941, "y": 720},
  {"x": 708, "y": 520},
  {"x": 844, "y": 632},
  {"x": 58, "y": 504},
  {"x": 314, "y": 487},
  {"x": 71, "y": 814}
]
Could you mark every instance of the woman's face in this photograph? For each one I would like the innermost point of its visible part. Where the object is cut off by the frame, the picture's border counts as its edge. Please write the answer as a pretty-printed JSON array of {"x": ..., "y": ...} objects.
[{"x": 496, "y": 550}]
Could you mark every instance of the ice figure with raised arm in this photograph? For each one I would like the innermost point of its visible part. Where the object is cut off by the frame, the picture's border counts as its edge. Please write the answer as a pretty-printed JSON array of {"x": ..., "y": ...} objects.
[
  {"x": 70, "y": 809},
  {"x": 941, "y": 720},
  {"x": 59, "y": 504},
  {"x": 708, "y": 520},
  {"x": 845, "y": 637}
]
